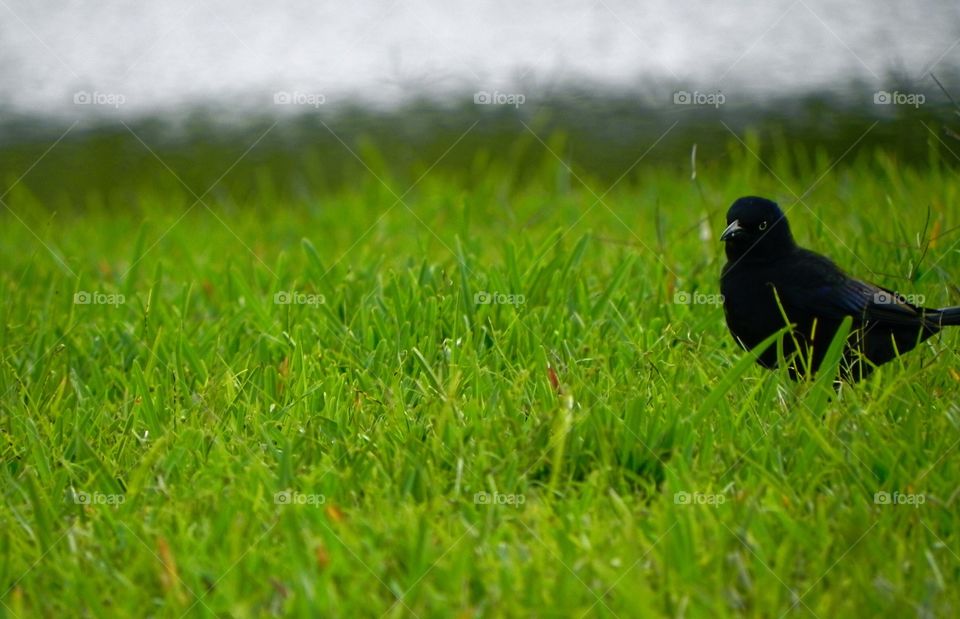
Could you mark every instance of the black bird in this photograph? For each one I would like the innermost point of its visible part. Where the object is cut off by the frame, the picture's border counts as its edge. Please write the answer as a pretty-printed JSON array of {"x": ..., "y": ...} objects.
[{"x": 764, "y": 265}]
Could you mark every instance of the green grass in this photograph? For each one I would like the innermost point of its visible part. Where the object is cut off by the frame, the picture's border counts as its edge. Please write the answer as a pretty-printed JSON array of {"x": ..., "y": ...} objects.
[{"x": 391, "y": 399}]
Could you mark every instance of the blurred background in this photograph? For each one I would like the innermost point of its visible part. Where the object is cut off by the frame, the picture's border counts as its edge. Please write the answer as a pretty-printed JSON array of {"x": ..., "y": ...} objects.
[{"x": 309, "y": 95}]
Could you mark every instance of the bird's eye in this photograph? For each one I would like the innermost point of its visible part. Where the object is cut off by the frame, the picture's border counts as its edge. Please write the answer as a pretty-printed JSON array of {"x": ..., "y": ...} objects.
[{"x": 763, "y": 225}]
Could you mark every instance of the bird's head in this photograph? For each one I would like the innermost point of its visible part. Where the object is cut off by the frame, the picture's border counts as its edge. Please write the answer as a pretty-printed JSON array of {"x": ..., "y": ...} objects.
[{"x": 756, "y": 230}]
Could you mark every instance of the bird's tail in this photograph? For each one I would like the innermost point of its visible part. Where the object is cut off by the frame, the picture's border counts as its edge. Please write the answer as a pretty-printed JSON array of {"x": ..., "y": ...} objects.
[{"x": 948, "y": 316}]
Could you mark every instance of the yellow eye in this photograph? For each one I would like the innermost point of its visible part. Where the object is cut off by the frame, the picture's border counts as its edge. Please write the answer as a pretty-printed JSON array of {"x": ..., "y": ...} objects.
[{"x": 763, "y": 225}]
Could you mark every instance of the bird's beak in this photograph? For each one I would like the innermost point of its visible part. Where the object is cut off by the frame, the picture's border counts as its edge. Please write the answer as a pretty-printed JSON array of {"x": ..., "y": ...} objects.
[{"x": 731, "y": 230}]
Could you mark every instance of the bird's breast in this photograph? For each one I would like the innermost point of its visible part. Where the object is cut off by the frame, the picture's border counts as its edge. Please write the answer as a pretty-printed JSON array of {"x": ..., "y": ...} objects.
[{"x": 750, "y": 305}]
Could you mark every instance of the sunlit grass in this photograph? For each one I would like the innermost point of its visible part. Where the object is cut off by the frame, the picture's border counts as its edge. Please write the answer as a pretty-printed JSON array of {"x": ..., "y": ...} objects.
[{"x": 388, "y": 443}]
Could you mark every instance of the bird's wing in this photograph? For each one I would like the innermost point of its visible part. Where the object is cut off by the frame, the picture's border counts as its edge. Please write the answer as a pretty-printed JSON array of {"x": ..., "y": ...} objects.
[{"x": 823, "y": 289}]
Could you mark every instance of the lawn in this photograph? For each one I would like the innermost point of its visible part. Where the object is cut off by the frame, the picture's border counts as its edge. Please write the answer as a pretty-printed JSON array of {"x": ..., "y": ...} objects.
[{"x": 411, "y": 396}]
